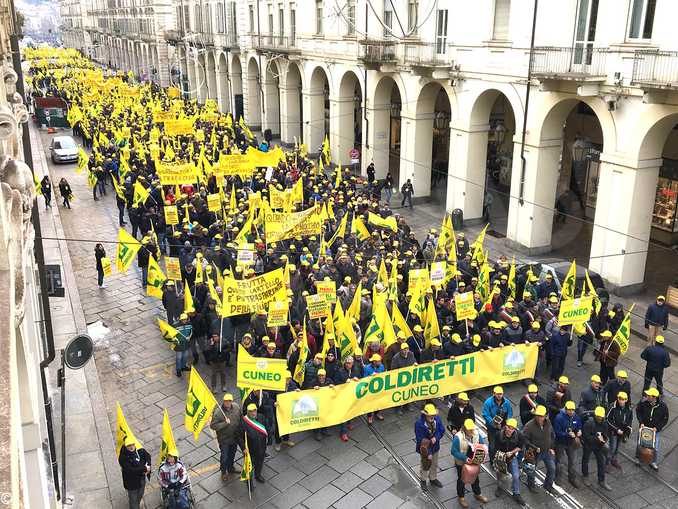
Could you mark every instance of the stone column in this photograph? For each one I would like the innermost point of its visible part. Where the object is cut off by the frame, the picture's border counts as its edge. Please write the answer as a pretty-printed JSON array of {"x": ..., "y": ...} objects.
[
  {"x": 466, "y": 180},
  {"x": 290, "y": 114},
  {"x": 379, "y": 120},
  {"x": 621, "y": 231},
  {"x": 314, "y": 118},
  {"x": 415, "y": 152},
  {"x": 341, "y": 129}
]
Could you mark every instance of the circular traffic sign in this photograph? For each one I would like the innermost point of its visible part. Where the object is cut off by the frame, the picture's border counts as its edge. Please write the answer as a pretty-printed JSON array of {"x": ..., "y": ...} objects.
[{"x": 78, "y": 351}]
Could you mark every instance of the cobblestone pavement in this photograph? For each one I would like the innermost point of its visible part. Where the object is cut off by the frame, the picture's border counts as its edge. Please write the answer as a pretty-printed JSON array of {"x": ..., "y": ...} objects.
[{"x": 373, "y": 470}]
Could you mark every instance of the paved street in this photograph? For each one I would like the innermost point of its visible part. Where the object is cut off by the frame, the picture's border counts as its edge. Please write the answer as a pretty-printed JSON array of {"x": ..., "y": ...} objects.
[{"x": 136, "y": 368}]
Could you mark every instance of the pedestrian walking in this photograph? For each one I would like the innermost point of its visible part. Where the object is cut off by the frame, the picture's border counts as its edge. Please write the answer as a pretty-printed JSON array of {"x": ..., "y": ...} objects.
[
  {"x": 567, "y": 427},
  {"x": 428, "y": 431},
  {"x": 388, "y": 188},
  {"x": 619, "y": 421},
  {"x": 496, "y": 409},
  {"x": 656, "y": 359},
  {"x": 65, "y": 191},
  {"x": 99, "y": 255},
  {"x": 136, "y": 469},
  {"x": 465, "y": 440},
  {"x": 181, "y": 346},
  {"x": 510, "y": 443},
  {"x": 225, "y": 423},
  {"x": 539, "y": 446},
  {"x": 594, "y": 437},
  {"x": 654, "y": 414},
  {"x": 46, "y": 187},
  {"x": 407, "y": 191},
  {"x": 656, "y": 318}
]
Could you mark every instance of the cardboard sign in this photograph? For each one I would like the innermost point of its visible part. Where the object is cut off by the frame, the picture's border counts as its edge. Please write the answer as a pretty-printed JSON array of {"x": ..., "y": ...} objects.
[
  {"x": 214, "y": 202},
  {"x": 328, "y": 289},
  {"x": 171, "y": 215},
  {"x": 277, "y": 313},
  {"x": 173, "y": 268},
  {"x": 464, "y": 305},
  {"x": 317, "y": 306},
  {"x": 438, "y": 270},
  {"x": 415, "y": 277},
  {"x": 575, "y": 311},
  {"x": 245, "y": 254}
]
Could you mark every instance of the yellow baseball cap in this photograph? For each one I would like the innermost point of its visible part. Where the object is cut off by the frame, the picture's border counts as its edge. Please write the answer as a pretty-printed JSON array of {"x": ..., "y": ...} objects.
[
  {"x": 469, "y": 424},
  {"x": 599, "y": 411},
  {"x": 540, "y": 411},
  {"x": 498, "y": 390},
  {"x": 228, "y": 397},
  {"x": 435, "y": 342},
  {"x": 569, "y": 405},
  {"x": 596, "y": 378},
  {"x": 652, "y": 391},
  {"x": 512, "y": 423},
  {"x": 462, "y": 396},
  {"x": 622, "y": 395},
  {"x": 251, "y": 407},
  {"x": 622, "y": 374},
  {"x": 375, "y": 357},
  {"x": 606, "y": 334},
  {"x": 532, "y": 388},
  {"x": 659, "y": 339},
  {"x": 564, "y": 380},
  {"x": 322, "y": 372},
  {"x": 430, "y": 409}
]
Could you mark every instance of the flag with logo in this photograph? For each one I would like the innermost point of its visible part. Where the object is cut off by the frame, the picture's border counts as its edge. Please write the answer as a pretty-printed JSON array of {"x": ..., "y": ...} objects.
[
  {"x": 359, "y": 229},
  {"x": 123, "y": 431},
  {"x": 418, "y": 303},
  {"x": 399, "y": 323},
  {"x": 168, "y": 332},
  {"x": 141, "y": 194},
  {"x": 247, "y": 467},
  {"x": 127, "y": 249},
  {"x": 189, "y": 307},
  {"x": 512, "y": 279},
  {"x": 200, "y": 404},
  {"x": 353, "y": 310},
  {"x": 477, "y": 247},
  {"x": 431, "y": 329},
  {"x": 570, "y": 282},
  {"x": 483, "y": 287},
  {"x": 623, "y": 334},
  {"x": 168, "y": 445},
  {"x": 592, "y": 291},
  {"x": 155, "y": 279},
  {"x": 304, "y": 351}
]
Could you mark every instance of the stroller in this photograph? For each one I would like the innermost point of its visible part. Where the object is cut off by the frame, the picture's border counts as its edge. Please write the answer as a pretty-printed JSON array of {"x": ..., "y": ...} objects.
[{"x": 177, "y": 496}]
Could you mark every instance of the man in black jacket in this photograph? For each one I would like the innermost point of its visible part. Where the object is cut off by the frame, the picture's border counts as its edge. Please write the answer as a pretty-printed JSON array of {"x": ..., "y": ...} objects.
[
  {"x": 656, "y": 316},
  {"x": 657, "y": 359},
  {"x": 653, "y": 413},
  {"x": 136, "y": 467},
  {"x": 257, "y": 438},
  {"x": 594, "y": 435},
  {"x": 619, "y": 419},
  {"x": 511, "y": 442},
  {"x": 460, "y": 410}
]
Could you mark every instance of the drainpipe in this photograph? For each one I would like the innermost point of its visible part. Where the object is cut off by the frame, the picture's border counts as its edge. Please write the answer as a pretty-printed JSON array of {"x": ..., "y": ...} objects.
[
  {"x": 40, "y": 261},
  {"x": 366, "y": 130},
  {"x": 527, "y": 105}
]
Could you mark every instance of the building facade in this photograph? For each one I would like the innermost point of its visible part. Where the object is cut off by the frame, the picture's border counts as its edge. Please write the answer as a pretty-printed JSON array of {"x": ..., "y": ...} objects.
[
  {"x": 569, "y": 104},
  {"x": 26, "y": 476}
]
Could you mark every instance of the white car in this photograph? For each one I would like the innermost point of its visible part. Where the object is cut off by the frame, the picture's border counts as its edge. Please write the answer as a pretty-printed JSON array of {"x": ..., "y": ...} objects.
[{"x": 63, "y": 149}]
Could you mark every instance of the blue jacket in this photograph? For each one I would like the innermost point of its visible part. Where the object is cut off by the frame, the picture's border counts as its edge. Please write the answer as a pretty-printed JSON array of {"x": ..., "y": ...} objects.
[
  {"x": 461, "y": 455},
  {"x": 559, "y": 343},
  {"x": 491, "y": 408},
  {"x": 421, "y": 431},
  {"x": 369, "y": 369},
  {"x": 657, "y": 357},
  {"x": 544, "y": 288},
  {"x": 563, "y": 423},
  {"x": 657, "y": 315}
]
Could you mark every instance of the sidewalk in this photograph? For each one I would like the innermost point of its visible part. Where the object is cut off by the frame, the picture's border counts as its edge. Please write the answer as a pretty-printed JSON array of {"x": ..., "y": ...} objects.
[{"x": 92, "y": 473}]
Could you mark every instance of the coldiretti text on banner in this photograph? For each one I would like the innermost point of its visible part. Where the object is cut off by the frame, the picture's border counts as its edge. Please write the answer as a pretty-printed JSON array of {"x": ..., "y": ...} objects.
[{"x": 328, "y": 406}]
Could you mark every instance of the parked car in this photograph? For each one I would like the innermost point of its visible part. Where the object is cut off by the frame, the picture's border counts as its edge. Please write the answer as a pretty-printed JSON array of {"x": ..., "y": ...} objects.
[
  {"x": 63, "y": 149},
  {"x": 558, "y": 269}
]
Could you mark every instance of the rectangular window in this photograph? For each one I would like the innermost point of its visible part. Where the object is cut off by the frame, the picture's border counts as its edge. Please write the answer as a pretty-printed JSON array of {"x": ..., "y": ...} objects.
[
  {"x": 585, "y": 34},
  {"x": 270, "y": 25},
  {"x": 251, "y": 19},
  {"x": 197, "y": 22},
  {"x": 441, "y": 31},
  {"x": 207, "y": 19},
  {"x": 187, "y": 19},
  {"x": 500, "y": 28},
  {"x": 221, "y": 20},
  {"x": 281, "y": 25},
  {"x": 388, "y": 21},
  {"x": 231, "y": 25},
  {"x": 642, "y": 19},
  {"x": 350, "y": 17},
  {"x": 319, "y": 17},
  {"x": 412, "y": 8},
  {"x": 293, "y": 26}
]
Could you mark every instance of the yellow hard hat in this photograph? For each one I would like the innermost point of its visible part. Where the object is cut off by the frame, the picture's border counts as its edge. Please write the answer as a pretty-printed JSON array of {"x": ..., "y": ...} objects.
[
  {"x": 430, "y": 409},
  {"x": 540, "y": 411}
]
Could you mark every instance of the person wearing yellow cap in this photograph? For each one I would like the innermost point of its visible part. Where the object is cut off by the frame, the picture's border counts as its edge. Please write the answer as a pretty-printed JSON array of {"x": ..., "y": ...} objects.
[
  {"x": 225, "y": 423},
  {"x": 595, "y": 440},
  {"x": 321, "y": 380},
  {"x": 538, "y": 434},
  {"x": 453, "y": 346},
  {"x": 656, "y": 359},
  {"x": 434, "y": 351},
  {"x": 619, "y": 420},
  {"x": 496, "y": 409},
  {"x": 513, "y": 334},
  {"x": 257, "y": 438},
  {"x": 656, "y": 317},
  {"x": 567, "y": 427},
  {"x": 529, "y": 402},
  {"x": 173, "y": 475},
  {"x": 460, "y": 410},
  {"x": 417, "y": 342},
  {"x": 375, "y": 366},
  {"x": 608, "y": 353},
  {"x": 182, "y": 343},
  {"x": 467, "y": 437},
  {"x": 428, "y": 431},
  {"x": 394, "y": 349},
  {"x": 557, "y": 396},
  {"x": 591, "y": 398},
  {"x": 653, "y": 413},
  {"x": 509, "y": 443},
  {"x": 135, "y": 464},
  {"x": 614, "y": 385}
]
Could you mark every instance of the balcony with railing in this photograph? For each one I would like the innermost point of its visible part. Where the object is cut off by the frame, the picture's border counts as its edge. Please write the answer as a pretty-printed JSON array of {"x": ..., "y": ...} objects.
[
  {"x": 426, "y": 54},
  {"x": 374, "y": 54},
  {"x": 581, "y": 63},
  {"x": 655, "y": 69},
  {"x": 274, "y": 42},
  {"x": 173, "y": 36}
]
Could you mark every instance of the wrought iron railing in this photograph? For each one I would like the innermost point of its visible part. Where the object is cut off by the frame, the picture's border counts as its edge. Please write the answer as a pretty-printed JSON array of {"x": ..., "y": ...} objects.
[
  {"x": 654, "y": 67},
  {"x": 273, "y": 42},
  {"x": 581, "y": 60},
  {"x": 377, "y": 51},
  {"x": 434, "y": 54}
]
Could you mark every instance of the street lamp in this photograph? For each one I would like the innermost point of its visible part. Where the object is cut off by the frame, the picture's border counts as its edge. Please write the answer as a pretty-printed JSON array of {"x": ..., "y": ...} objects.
[
  {"x": 441, "y": 120},
  {"x": 499, "y": 134},
  {"x": 395, "y": 109},
  {"x": 580, "y": 151}
]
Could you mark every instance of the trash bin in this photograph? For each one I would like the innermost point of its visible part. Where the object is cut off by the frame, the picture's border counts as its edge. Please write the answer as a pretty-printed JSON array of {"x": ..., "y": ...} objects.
[{"x": 457, "y": 219}]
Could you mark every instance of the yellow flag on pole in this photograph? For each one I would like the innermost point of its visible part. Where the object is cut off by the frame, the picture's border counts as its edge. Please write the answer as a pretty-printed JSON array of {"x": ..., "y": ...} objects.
[
  {"x": 141, "y": 194},
  {"x": 432, "y": 329},
  {"x": 570, "y": 282},
  {"x": 168, "y": 445},
  {"x": 200, "y": 404},
  {"x": 123, "y": 431},
  {"x": 188, "y": 299},
  {"x": 155, "y": 279},
  {"x": 127, "y": 249}
]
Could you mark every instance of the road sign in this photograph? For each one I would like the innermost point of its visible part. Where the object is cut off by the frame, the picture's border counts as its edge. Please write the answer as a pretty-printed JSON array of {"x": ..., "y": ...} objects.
[
  {"x": 78, "y": 351},
  {"x": 354, "y": 154}
]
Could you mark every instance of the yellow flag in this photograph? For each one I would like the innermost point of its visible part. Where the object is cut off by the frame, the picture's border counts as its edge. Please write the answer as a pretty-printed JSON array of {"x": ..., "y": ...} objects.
[
  {"x": 123, "y": 431},
  {"x": 377, "y": 220},
  {"x": 141, "y": 194},
  {"x": 189, "y": 307},
  {"x": 477, "y": 247},
  {"x": 233, "y": 204},
  {"x": 431, "y": 330},
  {"x": 168, "y": 445},
  {"x": 382, "y": 277},
  {"x": 168, "y": 332},
  {"x": 246, "y": 228},
  {"x": 346, "y": 337},
  {"x": 337, "y": 180},
  {"x": 512, "y": 279},
  {"x": 304, "y": 351},
  {"x": 200, "y": 404},
  {"x": 570, "y": 282},
  {"x": 128, "y": 247},
  {"x": 353, "y": 310},
  {"x": 418, "y": 303},
  {"x": 399, "y": 322},
  {"x": 155, "y": 279},
  {"x": 359, "y": 229},
  {"x": 592, "y": 291},
  {"x": 118, "y": 190}
]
